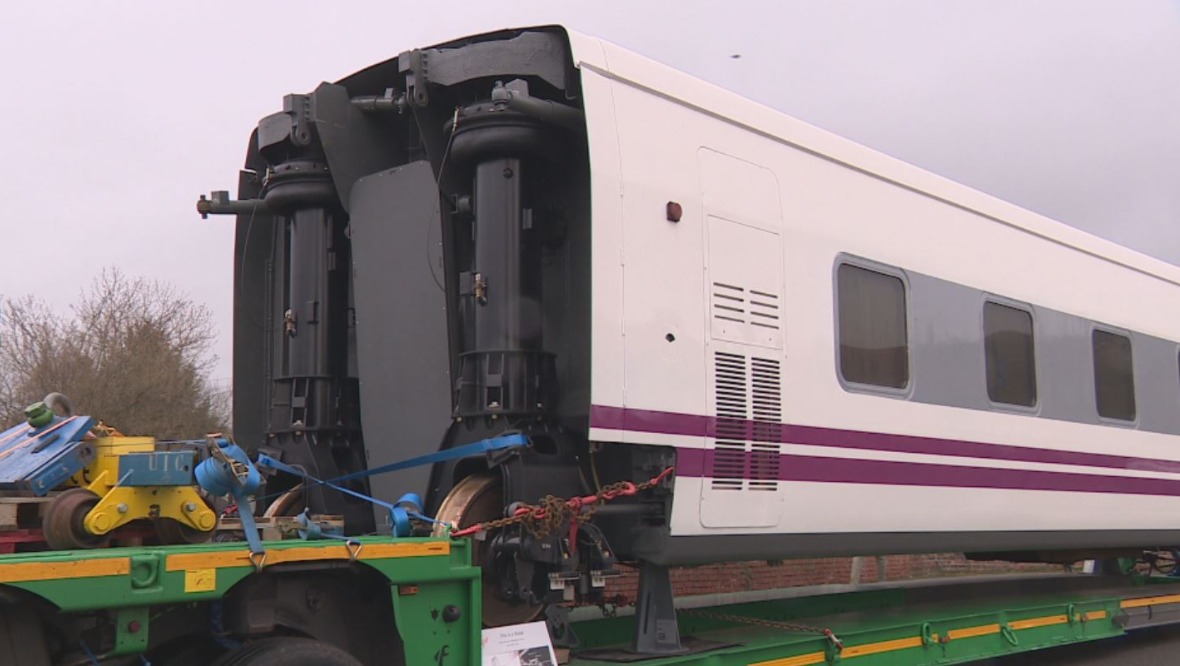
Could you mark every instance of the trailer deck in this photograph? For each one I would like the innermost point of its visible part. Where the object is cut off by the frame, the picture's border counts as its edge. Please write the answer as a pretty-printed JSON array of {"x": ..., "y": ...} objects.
[
  {"x": 926, "y": 622},
  {"x": 134, "y": 583},
  {"x": 435, "y": 594}
]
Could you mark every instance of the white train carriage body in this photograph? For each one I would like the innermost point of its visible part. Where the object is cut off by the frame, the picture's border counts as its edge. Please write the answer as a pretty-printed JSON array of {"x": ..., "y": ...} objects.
[
  {"x": 537, "y": 233},
  {"x": 810, "y": 337}
]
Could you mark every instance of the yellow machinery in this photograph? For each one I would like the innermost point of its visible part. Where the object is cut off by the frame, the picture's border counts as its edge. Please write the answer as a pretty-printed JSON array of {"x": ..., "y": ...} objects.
[{"x": 130, "y": 478}]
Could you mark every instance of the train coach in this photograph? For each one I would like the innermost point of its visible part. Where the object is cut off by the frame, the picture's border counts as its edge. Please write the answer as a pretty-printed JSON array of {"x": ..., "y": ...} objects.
[{"x": 537, "y": 232}]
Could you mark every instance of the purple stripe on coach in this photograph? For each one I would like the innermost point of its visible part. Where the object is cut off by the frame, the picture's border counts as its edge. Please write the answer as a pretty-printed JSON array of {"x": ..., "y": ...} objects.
[
  {"x": 698, "y": 462},
  {"x": 693, "y": 425}
]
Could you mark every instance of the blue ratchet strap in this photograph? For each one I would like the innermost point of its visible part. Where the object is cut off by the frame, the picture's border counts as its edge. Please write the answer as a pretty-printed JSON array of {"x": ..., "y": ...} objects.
[
  {"x": 309, "y": 530},
  {"x": 410, "y": 505},
  {"x": 482, "y": 446},
  {"x": 400, "y": 513},
  {"x": 228, "y": 471}
]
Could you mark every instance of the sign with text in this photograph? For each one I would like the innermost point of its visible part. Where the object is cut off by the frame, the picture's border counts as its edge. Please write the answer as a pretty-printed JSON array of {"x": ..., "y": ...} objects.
[{"x": 518, "y": 645}]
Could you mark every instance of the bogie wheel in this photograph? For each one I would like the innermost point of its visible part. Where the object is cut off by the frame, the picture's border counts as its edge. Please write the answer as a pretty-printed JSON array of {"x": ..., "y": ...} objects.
[
  {"x": 64, "y": 527},
  {"x": 287, "y": 651},
  {"x": 479, "y": 498},
  {"x": 290, "y": 503}
]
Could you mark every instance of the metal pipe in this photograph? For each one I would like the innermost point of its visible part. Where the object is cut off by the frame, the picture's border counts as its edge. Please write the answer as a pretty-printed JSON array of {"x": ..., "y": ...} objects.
[
  {"x": 219, "y": 203},
  {"x": 541, "y": 109}
]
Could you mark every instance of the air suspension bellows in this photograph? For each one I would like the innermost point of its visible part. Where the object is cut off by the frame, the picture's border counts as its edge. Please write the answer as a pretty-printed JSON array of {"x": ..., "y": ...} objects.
[
  {"x": 299, "y": 183},
  {"x": 506, "y": 369}
]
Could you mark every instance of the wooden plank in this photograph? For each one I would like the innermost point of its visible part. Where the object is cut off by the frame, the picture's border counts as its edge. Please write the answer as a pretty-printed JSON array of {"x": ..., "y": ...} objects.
[
  {"x": 22, "y": 512},
  {"x": 9, "y": 514},
  {"x": 275, "y": 528}
]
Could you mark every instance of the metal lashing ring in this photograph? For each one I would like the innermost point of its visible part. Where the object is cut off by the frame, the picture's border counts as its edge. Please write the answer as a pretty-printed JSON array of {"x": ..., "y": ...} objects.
[
  {"x": 354, "y": 549},
  {"x": 1009, "y": 635},
  {"x": 1071, "y": 613},
  {"x": 258, "y": 559},
  {"x": 832, "y": 653},
  {"x": 835, "y": 648},
  {"x": 927, "y": 634}
]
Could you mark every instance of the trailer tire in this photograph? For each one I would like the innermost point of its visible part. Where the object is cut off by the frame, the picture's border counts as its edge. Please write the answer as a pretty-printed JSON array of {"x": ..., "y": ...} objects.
[
  {"x": 22, "y": 638},
  {"x": 188, "y": 651},
  {"x": 287, "y": 651}
]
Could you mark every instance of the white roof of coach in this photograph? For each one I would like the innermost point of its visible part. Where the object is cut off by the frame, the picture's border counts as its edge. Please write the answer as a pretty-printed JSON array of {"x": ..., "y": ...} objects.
[{"x": 620, "y": 64}]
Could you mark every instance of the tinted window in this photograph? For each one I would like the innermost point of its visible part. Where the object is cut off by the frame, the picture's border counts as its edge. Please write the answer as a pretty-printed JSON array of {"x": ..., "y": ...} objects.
[
  {"x": 1008, "y": 347},
  {"x": 1114, "y": 380},
  {"x": 872, "y": 327}
]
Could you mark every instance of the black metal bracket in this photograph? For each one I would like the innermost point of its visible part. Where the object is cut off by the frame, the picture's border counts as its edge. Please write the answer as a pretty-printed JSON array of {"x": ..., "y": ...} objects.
[{"x": 656, "y": 629}]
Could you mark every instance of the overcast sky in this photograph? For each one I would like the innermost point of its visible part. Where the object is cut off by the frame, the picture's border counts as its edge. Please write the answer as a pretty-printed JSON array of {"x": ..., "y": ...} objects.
[{"x": 116, "y": 115}]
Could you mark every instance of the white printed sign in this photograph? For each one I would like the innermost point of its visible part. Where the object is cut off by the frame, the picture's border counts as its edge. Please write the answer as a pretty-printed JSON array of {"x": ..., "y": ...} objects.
[{"x": 518, "y": 645}]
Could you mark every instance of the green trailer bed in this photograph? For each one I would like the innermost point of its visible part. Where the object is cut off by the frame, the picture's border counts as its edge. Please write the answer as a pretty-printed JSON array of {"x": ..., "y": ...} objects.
[
  {"x": 433, "y": 592},
  {"x": 417, "y": 601}
]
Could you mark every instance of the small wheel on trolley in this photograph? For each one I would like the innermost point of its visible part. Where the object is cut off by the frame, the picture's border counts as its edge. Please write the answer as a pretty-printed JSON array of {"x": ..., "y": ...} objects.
[
  {"x": 64, "y": 524},
  {"x": 171, "y": 532}
]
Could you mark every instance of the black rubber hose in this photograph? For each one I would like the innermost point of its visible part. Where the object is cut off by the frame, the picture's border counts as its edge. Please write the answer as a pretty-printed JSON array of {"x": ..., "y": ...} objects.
[{"x": 59, "y": 403}]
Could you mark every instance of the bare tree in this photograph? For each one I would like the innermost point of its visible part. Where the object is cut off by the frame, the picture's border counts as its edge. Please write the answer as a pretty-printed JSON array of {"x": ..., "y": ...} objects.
[{"x": 133, "y": 352}]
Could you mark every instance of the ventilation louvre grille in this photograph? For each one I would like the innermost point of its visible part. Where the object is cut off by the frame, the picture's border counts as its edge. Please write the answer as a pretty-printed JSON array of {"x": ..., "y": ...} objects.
[
  {"x": 729, "y": 303},
  {"x": 767, "y": 428},
  {"x": 736, "y": 305},
  {"x": 763, "y": 308},
  {"x": 729, "y": 455},
  {"x": 747, "y": 442}
]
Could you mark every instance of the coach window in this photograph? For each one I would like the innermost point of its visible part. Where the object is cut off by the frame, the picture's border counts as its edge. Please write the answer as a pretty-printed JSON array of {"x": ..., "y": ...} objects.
[
  {"x": 871, "y": 309},
  {"x": 1009, "y": 352},
  {"x": 1114, "y": 381}
]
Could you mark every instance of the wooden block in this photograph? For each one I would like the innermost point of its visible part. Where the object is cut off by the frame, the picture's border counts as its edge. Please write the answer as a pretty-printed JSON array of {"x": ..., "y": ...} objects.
[
  {"x": 9, "y": 516},
  {"x": 22, "y": 512}
]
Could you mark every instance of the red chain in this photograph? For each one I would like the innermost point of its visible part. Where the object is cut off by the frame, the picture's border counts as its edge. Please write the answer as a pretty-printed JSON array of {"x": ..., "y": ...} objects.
[{"x": 540, "y": 515}]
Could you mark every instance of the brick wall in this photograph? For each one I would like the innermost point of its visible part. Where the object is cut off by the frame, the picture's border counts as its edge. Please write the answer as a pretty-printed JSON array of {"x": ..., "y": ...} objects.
[{"x": 746, "y": 576}]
